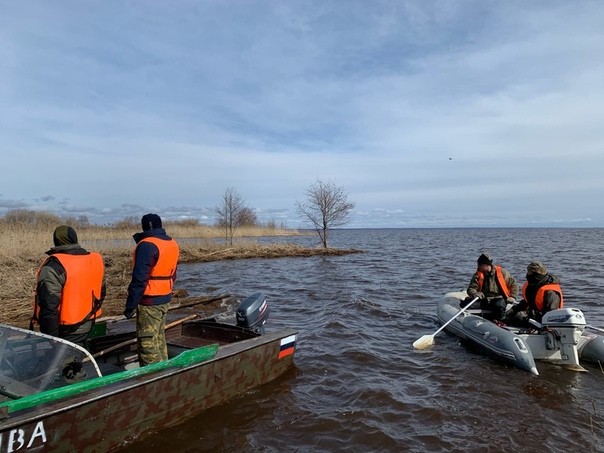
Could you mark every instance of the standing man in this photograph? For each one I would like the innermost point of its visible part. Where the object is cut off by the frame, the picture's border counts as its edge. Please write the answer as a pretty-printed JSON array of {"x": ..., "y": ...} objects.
[
  {"x": 150, "y": 289},
  {"x": 541, "y": 293},
  {"x": 494, "y": 286},
  {"x": 70, "y": 289}
]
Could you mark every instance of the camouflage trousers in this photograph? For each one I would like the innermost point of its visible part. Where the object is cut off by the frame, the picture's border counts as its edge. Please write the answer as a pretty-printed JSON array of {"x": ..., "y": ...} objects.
[{"x": 150, "y": 333}]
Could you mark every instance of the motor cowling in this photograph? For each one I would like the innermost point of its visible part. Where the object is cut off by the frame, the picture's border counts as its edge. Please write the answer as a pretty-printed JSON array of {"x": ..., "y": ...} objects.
[
  {"x": 565, "y": 317},
  {"x": 253, "y": 312},
  {"x": 565, "y": 327}
]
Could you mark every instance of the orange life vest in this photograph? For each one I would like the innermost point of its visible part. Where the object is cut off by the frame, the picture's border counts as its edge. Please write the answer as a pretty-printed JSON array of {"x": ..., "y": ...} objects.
[
  {"x": 500, "y": 281},
  {"x": 83, "y": 282},
  {"x": 541, "y": 293},
  {"x": 162, "y": 275}
]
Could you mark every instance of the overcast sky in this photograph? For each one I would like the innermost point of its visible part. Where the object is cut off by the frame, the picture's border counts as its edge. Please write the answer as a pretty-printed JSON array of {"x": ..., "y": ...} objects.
[{"x": 427, "y": 113}]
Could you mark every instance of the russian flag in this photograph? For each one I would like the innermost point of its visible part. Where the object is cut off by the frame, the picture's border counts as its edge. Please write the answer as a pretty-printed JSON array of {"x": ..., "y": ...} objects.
[{"x": 288, "y": 345}]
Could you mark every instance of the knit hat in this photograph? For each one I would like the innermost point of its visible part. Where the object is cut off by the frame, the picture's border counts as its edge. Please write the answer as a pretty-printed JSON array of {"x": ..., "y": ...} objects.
[
  {"x": 64, "y": 235},
  {"x": 485, "y": 258},
  {"x": 150, "y": 222},
  {"x": 536, "y": 267}
]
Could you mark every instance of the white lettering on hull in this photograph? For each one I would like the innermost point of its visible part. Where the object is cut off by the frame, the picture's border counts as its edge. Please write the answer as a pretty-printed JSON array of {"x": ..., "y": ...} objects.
[{"x": 14, "y": 440}]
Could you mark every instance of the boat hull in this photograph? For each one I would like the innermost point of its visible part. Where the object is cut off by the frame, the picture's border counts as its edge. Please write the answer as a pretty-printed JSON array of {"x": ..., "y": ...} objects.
[
  {"x": 563, "y": 343},
  {"x": 114, "y": 415},
  {"x": 497, "y": 342},
  {"x": 591, "y": 349}
]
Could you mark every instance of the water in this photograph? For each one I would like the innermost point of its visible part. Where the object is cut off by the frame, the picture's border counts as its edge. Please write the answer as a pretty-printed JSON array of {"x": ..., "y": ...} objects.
[{"x": 359, "y": 386}]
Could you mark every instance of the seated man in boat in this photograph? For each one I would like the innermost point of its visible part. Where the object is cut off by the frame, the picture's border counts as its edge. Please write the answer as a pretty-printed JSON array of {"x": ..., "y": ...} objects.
[
  {"x": 494, "y": 286},
  {"x": 541, "y": 293}
]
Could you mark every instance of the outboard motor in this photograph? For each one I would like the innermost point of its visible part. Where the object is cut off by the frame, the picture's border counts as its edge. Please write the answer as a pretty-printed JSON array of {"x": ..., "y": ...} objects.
[
  {"x": 568, "y": 324},
  {"x": 253, "y": 312}
]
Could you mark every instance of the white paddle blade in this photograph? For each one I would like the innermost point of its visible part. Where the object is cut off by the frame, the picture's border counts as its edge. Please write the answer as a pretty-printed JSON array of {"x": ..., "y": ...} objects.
[{"x": 424, "y": 342}]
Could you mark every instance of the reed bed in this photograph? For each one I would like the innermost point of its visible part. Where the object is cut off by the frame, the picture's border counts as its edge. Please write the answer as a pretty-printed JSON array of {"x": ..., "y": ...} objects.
[{"x": 23, "y": 247}]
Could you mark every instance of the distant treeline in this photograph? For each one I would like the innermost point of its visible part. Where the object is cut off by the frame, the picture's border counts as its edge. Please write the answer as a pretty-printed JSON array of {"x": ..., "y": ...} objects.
[{"x": 45, "y": 220}]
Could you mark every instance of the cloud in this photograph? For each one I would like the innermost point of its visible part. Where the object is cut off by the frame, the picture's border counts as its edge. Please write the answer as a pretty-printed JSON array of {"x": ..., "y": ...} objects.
[
  {"x": 117, "y": 109},
  {"x": 13, "y": 204}
]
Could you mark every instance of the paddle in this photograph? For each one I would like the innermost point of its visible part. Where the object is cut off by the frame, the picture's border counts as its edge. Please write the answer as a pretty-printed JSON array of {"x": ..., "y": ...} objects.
[{"x": 428, "y": 340}]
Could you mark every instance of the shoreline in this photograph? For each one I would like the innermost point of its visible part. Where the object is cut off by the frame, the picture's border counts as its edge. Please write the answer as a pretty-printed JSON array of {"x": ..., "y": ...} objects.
[{"x": 17, "y": 308}]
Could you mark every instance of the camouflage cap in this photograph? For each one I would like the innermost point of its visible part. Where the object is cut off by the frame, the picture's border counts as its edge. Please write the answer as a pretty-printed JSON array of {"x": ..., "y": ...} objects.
[
  {"x": 64, "y": 235},
  {"x": 485, "y": 258},
  {"x": 536, "y": 267}
]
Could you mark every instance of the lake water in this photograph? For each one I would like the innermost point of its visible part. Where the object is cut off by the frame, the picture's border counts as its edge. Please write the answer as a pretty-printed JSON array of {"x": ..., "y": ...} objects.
[{"x": 358, "y": 385}]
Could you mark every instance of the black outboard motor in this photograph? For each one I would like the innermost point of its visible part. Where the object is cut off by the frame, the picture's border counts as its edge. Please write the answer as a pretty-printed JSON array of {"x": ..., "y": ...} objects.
[{"x": 252, "y": 313}]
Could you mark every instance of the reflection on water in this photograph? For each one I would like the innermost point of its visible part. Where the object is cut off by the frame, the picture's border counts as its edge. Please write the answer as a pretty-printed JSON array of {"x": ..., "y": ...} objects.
[{"x": 358, "y": 384}]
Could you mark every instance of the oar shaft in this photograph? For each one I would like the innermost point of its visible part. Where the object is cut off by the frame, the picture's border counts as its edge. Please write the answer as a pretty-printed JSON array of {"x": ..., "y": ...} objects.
[
  {"x": 456, "y": 315},
  {"x": 428, "y": 340}
]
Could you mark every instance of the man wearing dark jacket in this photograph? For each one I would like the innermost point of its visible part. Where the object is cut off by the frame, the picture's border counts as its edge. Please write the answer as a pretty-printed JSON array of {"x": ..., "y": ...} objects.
[
  {"x": 494, "y": 286},
  {"x": 541, "y": 293},
  {"x": 70, "y": 289},
  {"x": 150, "y": 289}
]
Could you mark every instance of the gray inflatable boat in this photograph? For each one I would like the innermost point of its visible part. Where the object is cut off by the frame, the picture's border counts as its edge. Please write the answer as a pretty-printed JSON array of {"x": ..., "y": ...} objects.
[{"x": 560, "y": 339}]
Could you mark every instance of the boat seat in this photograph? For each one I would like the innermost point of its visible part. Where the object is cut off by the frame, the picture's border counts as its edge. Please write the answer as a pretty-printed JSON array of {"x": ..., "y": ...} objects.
[
  {"x": 479, "y": 312},
  {"x": 513, "y": 329},
  {"x": 177, "y": 340}
]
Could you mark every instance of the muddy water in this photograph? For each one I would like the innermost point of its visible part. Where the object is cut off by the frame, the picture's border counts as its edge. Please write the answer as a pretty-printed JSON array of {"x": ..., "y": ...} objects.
[{"x": 359, "y": 386}]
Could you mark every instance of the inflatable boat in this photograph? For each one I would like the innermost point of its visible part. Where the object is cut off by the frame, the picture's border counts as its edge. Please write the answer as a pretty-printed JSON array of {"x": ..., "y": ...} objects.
[{"x": 561, "y": 338}]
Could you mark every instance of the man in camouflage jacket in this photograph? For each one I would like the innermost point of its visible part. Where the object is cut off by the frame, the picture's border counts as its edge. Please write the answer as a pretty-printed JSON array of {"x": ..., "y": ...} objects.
[{"x": 494, "y": 286}]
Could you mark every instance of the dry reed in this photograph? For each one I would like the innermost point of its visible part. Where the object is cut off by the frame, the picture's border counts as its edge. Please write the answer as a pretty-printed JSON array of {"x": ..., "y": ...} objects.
[{"x": 23, "y": 247}]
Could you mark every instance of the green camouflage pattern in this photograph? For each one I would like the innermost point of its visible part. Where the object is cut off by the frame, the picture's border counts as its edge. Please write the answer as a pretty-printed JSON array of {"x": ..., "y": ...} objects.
[
  {"x": 121, "y": 411},
  {"x": 150, "y": 332},
  {"x": 186, "y": 358}
]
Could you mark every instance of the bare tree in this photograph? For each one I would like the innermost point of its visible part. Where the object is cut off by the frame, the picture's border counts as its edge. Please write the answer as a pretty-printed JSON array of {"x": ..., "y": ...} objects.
[
  {"x": 80, "y": 221},
  {"x": 127, "y": 223},
  {"x": 247, "y": 218},
  {"x": 326, "y": 206},
  {"x": 228, "y": 212}
]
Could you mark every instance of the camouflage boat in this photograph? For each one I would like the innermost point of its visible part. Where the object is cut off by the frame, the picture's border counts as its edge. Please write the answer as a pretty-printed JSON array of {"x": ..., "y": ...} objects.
[{"x": 59, "y": 397}]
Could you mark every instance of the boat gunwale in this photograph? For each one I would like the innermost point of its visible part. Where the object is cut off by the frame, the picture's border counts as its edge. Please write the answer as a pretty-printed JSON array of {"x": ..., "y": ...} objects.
[
  {"x": 458, "y": 329},
  {"x": 46, "y": 409}
]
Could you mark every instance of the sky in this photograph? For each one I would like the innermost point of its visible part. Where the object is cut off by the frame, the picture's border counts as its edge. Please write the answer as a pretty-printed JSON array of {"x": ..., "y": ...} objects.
[{"x": 466, "y": 113}]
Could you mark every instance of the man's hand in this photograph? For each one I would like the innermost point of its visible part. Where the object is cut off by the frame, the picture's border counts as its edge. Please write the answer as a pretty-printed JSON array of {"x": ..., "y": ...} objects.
[{"x": 128, "y": 312}]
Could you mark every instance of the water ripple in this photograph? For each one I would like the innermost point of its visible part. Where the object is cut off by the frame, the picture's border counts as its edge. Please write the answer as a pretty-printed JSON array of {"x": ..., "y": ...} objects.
[{"x": 359, "y": 386}]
